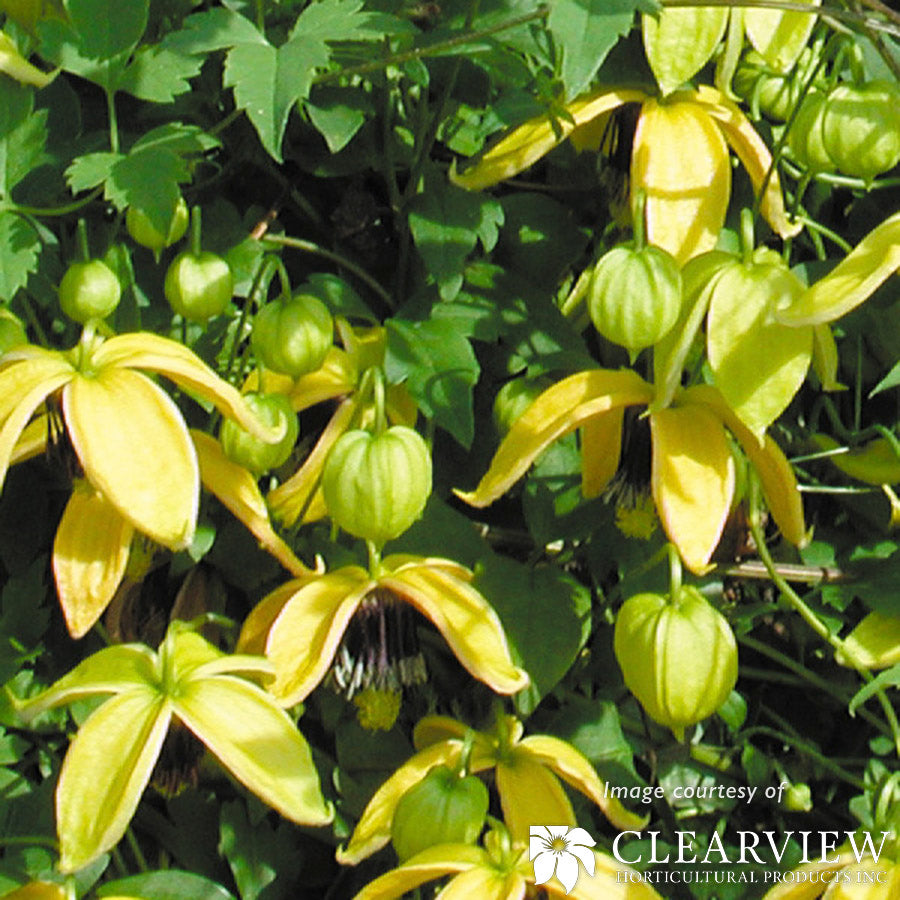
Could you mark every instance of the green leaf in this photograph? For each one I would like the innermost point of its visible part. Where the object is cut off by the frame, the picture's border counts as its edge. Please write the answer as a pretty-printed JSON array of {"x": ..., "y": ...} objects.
[
  {"x": 107, "y": 27},
  {"x": 90, "y": 170},
  {"x": 586, "y": 30},
  {"x": 546, "y": 615},
  {"x": 256, "y": 852},
  {"x": 215, "y": 29},
  {"x": 446, "y": 223},
  {"x": 338, "y": 113},
  {"x": 440, "y": 370},
  {"x": 338, "y": 296},
  {"x": 20, "y": 246},
  {"x": 158, "y": 74},
  {"x": 268, "y": 82},
  {"x": 168, "y": 885},
  {"x": 23, "y": 135}
]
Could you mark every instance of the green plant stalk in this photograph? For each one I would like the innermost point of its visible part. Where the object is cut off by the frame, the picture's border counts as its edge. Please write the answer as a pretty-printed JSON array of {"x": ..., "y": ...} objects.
[
  {"x": 434, "y": 49},
  {"x": 833, "y": 236},
  {"x": 309, "y": 247},
  {"x": 808, "y": 616},
  {"x": 52, "y": 211},
  {"x": 807, "y": 750},
  {"x": 810, "y": 677}
]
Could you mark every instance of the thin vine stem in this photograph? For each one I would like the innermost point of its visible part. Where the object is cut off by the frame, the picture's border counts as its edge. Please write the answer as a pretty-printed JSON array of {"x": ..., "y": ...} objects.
[
  {"x": 316, "y": 249},
  {"x": 47, "y": 212},
  {"x": 435, "y": 49},
  {"x": 807, "y": 750}
]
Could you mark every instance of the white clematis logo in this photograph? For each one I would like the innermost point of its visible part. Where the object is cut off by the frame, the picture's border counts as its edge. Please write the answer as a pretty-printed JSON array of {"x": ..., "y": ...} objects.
[{"x": 557, "y": 849}]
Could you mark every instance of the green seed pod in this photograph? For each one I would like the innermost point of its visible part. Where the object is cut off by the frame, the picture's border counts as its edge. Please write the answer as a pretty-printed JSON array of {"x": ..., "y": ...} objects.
[
  {"x": 805, "y": 139},
  {"x": 293, "y": 336},
  {"x": 249, "y": 451},
  {"x": 772, "y": 93},
  {"x": 198, "y": 286},
  {"x": 634, "y": 297},
  {"x": 376, "y": 486},
  {"x": 678, "y": 656},
  {"x": 145, "y": 233},
  {"x": 443, "y": 808},
  {"x": 89, "y": 290},
  {"x": 861, "y": 128}
]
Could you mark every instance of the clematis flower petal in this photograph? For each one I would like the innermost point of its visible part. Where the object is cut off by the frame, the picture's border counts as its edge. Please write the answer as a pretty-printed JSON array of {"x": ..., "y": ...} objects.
[
  {"x": 112, "y": 670},
  {"x": 432, "y": 729},
  {"x": 257, "y": 742},
  {"x": 90, "y": 553},
  {"x": 373, "y": 831},
  {"x": 557, "y": 411},
  {"x": 131, "y": 440},
  {"x": 679, "y": 42},
  {"x": 779, "y": 35},
  {"x": 532, "y": 140},
  {"x": 686, "y": 193},
  {"x": 583, "y": 852},
  {"x": 335, "y": 377},
  {"x": 692, "y": 480},
  {"x": 32, "y": 441},
  {"x": 37, "y": 890},
  {"x": 435, "y": 862},
  {"x": 143, "y": 350},
  {"x": 466, "y": 620},
  {"x": 256, "y": 627},
  {"x": 779, "y": 484},
  {"x": 825, "y": 358},
  {"x": 486, "y": 884},
  {"x": 753, "y": 153},
  {"x": 530, "y": 794},
  {"x": 294, "y": 498},
  {"x": 239, "y": 493},
  {"x": 570, "y": 765},
  {"x": 305, "y": 636},
  {"x": 852, "y": 280},
  {"x": 23, "y": 388},
  {"x": 106, "y": 769},
  {"x": 601, "y": 448}
]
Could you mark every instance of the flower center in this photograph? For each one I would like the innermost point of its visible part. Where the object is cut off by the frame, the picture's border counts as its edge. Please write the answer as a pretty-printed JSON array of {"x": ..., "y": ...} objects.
[
  {"x": 559, "y": 845},
  {"x": 378, "y": 656}
]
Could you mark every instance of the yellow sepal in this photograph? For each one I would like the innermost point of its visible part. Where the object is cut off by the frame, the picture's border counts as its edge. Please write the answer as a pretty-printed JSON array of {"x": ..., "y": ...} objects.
[
  {"x": 852, "y": 280},
  {"x": 122, "y": 739},
  {"x": 692, "y": 480},
  {"x": 468, "y": 623},
  {"x": 753, "y": 153},
  {"x": 238, "y": 491},
  {"x": 90, "y": 553},
  {"x": 131, "y": 440},
  {"x": 686, "y": 192},
  {"x": 559, "y": 410},
  {"x": 257, "y": 742},
  {"x": 601, "y": 448},
  {"x": 529, "y": 142}
]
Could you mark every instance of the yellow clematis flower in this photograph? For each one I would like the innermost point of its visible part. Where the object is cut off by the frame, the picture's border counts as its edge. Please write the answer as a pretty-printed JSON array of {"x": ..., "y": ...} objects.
[
  {"x": 111, "y": 759},
  {"x": 501, "y": 871},
  {"x": 842, "y": 877},
  {"x": 128, "y": 435},
  {"x": 93, "y": 540},
  {"x": 526, "y": 771},
  {"x": 299, "y": 625},
  {"x": 679, "y": 159},
  {"x": 692, "y": 473}
]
